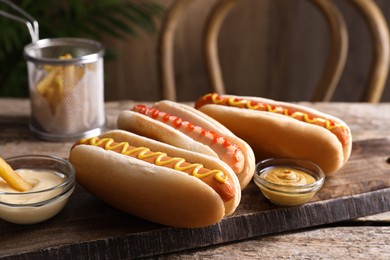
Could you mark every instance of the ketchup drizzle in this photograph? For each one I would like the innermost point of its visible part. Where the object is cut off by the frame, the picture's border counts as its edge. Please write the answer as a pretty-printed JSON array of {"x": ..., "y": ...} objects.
[{"x": 176, "y": 122}]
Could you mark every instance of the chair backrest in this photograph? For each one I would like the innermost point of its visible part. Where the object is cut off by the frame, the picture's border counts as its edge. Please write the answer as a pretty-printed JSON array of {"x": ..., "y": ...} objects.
[
  {"x": 381, "y": 44},
  {"x": 338, "y": 48},
  {"x": 166, "y": 48}
]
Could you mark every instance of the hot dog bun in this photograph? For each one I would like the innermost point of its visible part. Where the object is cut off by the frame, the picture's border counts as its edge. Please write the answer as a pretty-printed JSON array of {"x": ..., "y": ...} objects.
[
  {"x": 281, "y": 129},
  {"x": 173, "y": 116},
  {"x": 155, "y": 193}
]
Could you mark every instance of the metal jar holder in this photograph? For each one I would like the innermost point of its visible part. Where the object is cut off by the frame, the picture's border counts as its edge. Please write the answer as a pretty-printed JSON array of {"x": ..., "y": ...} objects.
[{"x": 65, "y": 83}]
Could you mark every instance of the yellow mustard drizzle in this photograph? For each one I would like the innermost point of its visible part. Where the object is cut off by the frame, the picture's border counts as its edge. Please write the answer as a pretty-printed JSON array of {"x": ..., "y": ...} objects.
[
  {"x": 308, "y": 120},
  {"x": 330, "y": 125},
  {"x": 236, "y": 102},
  {"x": 274, "y": 110},
  {"x": 277, "y": 109},
  {"x": 293, "y": 115},
  {"x": 215, "y": 98},
  {"x": 254, "y": 107},
  {"x": 145, "y": 153}
]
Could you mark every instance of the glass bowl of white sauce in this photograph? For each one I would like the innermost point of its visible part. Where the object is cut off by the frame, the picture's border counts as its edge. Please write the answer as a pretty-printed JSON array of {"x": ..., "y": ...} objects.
[{"x": 53, "y": 181}]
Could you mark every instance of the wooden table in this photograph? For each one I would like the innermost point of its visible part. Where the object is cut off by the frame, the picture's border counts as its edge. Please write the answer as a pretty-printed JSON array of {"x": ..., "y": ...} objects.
[{"x": 362, "y": 238}]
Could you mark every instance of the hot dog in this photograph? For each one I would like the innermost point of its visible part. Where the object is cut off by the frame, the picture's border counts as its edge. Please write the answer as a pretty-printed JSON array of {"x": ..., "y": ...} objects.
[
  {"x": 281, "y": 129},
  {"x": 156, "y": 181},
  {"x": 185, "y": 127}
]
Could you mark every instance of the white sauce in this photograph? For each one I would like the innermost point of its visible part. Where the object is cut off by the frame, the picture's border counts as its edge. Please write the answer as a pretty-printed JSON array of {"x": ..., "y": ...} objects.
[{"x": 40, "y": 180}]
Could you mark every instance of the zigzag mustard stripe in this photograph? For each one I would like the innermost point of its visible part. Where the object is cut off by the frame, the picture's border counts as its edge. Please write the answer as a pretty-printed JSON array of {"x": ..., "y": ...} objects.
[
  {"x": 301, "y": 116},
  {"x": 145, "y": 153}
]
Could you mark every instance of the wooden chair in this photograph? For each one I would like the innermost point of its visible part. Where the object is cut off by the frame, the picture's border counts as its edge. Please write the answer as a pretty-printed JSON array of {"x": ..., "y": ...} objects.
[
  {"x": 381, "y": 43},
  {"x": 166, "y": 49},
  {"x": 335, "y": 62},
  {"x": 336, "y": 58}
]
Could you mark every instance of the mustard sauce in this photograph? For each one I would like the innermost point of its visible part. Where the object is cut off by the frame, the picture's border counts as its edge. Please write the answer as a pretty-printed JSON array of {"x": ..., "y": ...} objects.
[
  {"x": 288, "y": 176},
  {"x": 302, "y": 116},
  {"x": 288, "y": 185},
  {"x": 161, "y": 158}
]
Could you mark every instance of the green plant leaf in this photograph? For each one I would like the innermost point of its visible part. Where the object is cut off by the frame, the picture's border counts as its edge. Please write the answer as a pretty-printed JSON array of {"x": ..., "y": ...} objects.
[{"x": 69, "y": 18}]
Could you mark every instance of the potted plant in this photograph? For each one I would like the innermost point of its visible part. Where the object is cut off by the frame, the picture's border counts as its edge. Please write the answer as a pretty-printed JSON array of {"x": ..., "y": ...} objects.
[{"x": 73, "y": 18}]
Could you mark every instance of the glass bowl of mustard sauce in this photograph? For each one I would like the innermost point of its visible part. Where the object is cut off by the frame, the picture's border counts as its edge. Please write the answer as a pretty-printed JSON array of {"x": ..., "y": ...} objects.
[
  {"x": 288, "y": 182},
  {"x": 53, "y": 181}
]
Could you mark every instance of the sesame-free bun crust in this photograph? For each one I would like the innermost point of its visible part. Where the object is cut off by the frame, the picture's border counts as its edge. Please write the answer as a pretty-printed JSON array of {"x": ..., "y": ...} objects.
[
  {"x": 274, "y": 135},
  {"x": 151, "y": 192},
  {"x": 146, "y": 126}
]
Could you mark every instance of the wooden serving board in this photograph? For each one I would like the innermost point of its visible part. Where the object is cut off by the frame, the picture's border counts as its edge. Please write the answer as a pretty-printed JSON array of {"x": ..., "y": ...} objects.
[{"x": 90, "y": 228}]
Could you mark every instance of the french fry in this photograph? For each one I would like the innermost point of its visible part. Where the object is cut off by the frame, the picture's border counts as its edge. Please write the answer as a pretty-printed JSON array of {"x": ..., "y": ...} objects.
[
  {"x": 59, "y": 81},
  {"x": 13, "y": 179},
  {"x": 51, "y": 88}
]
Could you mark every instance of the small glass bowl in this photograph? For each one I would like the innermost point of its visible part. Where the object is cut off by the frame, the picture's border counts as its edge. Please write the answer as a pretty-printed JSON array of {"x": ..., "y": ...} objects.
[
  {"x": 54, "y": 198},
  {"x": 285, "y": 194}
]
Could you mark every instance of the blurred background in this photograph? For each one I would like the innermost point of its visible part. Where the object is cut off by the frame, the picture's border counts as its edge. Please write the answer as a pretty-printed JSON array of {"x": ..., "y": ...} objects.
[{"x": 269, "y": 48}]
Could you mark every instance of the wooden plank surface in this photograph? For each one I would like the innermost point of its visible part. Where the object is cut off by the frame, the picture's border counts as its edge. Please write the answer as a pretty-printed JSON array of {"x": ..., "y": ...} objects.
[
  {"x": 326, "y": 243},
  {"x": 91, "y": 228}
]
